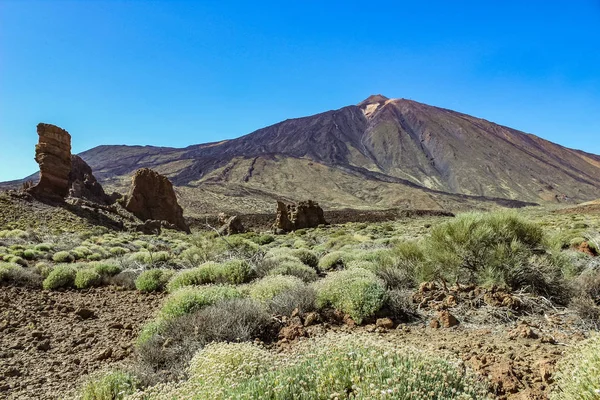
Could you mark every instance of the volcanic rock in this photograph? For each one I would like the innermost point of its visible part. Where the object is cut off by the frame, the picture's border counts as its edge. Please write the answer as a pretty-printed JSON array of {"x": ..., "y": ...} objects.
[
  {"x": 53, "y": 154},
  {"x": 83, "y": 184},
  {"x": 230, "y": 225},
  {"x": 307, "y": 214},
  {"x": 152, "y": 197}
]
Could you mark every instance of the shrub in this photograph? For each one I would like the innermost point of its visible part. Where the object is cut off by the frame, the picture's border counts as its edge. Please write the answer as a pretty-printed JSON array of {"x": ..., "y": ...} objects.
[
  {"x": 297, "y": 269},
  {"x": 30, "y": 254},
  {"x": 105, "y": 268},
  {"x": 306, "y": 256},
  {"x": 263, "y": 239},
  {"x": 301, "y": 298},
  {"x": 7, "y": 271},
  {"x": 43, "y": 247},
  {"x": 80, "y": 252},
  {"x": 153, "y": 280},
  {"x": 328, "y": 367},
  {"x": 242, "y": 359},
  {"x": 232, "y": 271},
  {"x": 333, "y": 260},
  {"x": 61, "y": 276},
  {"x": 63, "y": 257},
  {"x": 193, "y": 277},
  {"x": 189, "y": 299},
  {"x": 86, "y": 278},
  {"x": 168, "y": 347},
  {"x": 118, "y": 251},
  {"x": 490, "y": 249},
  {"x": 94, "y": 257},
  {"x": 142, "y": 257},
  {"x": 269, "y": 287},
  {"x": 114, "y": 385},
  {"x": 357, "y": 292},
  {"x": 43, "y": 269},
  {"x": 577, "y": 377}
]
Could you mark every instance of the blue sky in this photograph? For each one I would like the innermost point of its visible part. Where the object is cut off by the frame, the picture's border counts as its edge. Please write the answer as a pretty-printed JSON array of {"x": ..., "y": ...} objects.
[{"x": 176, "y": 73}]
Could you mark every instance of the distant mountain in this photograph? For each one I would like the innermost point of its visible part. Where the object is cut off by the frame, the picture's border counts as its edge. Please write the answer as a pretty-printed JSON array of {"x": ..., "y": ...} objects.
[{"x": 380, "y": 153}]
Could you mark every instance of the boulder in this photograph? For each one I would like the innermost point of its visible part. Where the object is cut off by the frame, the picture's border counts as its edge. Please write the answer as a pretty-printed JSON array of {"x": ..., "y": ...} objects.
[
  {"x": 83, "y": 184},
  {"x": 53, "y": 154},
  {"x": 306, "y": 214},
  {"x": 152, "y": 197},
  {"x": 230, "y": 225}
]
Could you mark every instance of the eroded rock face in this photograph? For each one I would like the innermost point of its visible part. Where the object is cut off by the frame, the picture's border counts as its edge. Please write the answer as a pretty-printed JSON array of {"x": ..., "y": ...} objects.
[
  {"x": 53, "y": 154},
  {"x": 230, "y": 225},
  {"x": 152, "y": 197},
  {"x": 83, "y": 184},
  {"x": 306, "y": 214}
]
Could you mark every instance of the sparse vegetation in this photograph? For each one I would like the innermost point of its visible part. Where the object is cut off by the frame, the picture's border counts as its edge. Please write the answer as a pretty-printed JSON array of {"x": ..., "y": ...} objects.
[
  {"x": 153, "y": 280},
  {"x": 357, "y": 292}
]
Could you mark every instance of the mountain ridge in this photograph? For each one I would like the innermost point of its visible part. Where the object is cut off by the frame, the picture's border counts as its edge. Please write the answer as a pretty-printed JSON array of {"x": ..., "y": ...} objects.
[{"x": 400, "y": 142}]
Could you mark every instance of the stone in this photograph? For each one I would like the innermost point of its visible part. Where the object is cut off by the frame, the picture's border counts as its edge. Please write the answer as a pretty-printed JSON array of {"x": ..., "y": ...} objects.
[
  {"x": 152, "y": 197},
  {"x": 385, "y": 323},
  {"x": 290, "y": 217},
  {"x": 85, "y": 313},
  {"x": 230, "y": 225},
  {"x": 83, "y": 184},
  {"x": 446, "y": 319},
  {"x": 53, "y": 154},
  {"x": 311, "y": 318},
  {"x": 292, "y": 332}
]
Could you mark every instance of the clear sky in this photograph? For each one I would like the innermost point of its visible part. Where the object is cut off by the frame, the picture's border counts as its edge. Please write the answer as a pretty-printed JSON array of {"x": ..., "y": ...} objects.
[{"x": 175, "y": 73}]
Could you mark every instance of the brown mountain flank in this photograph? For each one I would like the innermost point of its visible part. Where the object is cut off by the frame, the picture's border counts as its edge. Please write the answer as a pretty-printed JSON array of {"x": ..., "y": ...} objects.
[{"x": 381, "y": 153}]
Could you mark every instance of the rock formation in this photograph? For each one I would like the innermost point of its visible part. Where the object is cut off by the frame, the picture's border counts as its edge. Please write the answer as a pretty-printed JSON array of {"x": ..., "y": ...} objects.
[
  {"x": 230, "y": 225},
  {"x": 53, "y": 154},
  {"x": 307, "y": 214},
  {"x": 83, "y": 184},
  {"x": 152, "y": 197}
]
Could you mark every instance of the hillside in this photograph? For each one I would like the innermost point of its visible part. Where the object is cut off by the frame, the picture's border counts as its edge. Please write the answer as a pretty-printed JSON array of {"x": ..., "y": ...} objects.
[{"x": 380, "y": 153}]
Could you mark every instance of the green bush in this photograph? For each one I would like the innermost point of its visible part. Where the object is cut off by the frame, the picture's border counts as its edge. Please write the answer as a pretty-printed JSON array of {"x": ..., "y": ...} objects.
[
  {"x": 44, "y": 247},
  {"x": 61, "y": 276},
  {"x": 153, "y": 280},
  {"x": 105, "y": 268},
  {"x": 94, "y": 257},
  {"x": 7, "y": 270},
  {"x": 297, "y": 269},
  {"x": 86, "y": 278},
  {"x": 357, "y": 292},
  {"x": 63, "y": 257},
  {"x": 43, "y": 269},
  {"x": 232, "y": 271},
  {"x": 263, "y": 239},
  {"x": 31, "y": 254},
  {"x": 189, "y": 299},
  {"x": 327, "y": 368},
  {"x": 118, "y": 251},
  {"x": 114, "y": 385},
  {"x": 270, "y": 286},
  {"x": 306, "y": 256},
  {"x": 497, "y": 248},
  {"x": 578, "y": 376},
  {"x": 333, "y": 260}
]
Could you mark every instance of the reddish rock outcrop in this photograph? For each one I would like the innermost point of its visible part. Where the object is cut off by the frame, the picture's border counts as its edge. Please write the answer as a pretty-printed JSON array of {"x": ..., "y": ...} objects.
[
  {"x": 307, "y": 214},
  {"x": 83, "y": 184},
  {"x": 53, "y": 154},
  {"x": 152, "y": 197},
  {"x": 230, "y": 225}
]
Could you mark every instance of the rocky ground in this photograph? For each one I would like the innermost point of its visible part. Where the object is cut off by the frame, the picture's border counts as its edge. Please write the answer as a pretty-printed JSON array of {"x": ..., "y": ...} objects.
[{"x": 50, "y": 340}]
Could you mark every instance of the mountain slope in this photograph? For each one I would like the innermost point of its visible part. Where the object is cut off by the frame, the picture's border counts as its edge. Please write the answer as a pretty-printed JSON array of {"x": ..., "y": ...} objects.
[{"x": 381, "y": 152}]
